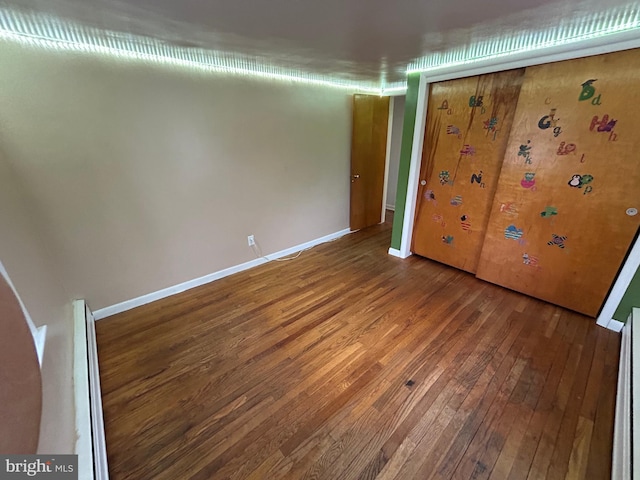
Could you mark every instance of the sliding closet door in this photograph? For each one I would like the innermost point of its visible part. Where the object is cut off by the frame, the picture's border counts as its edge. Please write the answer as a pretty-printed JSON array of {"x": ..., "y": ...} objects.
[
  {"x": 468, "y": 123},
  {"x": 565, "y": 210}
]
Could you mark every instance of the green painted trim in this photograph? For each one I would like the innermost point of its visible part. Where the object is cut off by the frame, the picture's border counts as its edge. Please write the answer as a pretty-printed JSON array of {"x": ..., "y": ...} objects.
[
  {"x": 630, "y": 299},
  {"x": 410, "y": 106}
]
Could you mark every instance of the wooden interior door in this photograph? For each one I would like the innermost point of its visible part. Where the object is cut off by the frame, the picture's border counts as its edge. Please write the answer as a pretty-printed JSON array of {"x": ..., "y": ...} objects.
[
  {"x": 468, "y": 124},
  {"x": 368, "y": 156},
  {"x": 565, "y": 210}
]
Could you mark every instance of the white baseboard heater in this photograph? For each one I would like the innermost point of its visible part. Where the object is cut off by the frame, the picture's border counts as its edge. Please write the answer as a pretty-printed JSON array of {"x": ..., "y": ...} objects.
[
  {"x": 90, "y": 441},
  {"x": 626, "y": 448}
]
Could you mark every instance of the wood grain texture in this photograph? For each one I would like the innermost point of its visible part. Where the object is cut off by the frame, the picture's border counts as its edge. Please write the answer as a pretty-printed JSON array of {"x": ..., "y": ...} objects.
[
  {"x": 468, "y": 143},
  {"x": 300, "y": 370},
  {"x": 368, "y": 155},
  {"x": 558, "y": 228}
]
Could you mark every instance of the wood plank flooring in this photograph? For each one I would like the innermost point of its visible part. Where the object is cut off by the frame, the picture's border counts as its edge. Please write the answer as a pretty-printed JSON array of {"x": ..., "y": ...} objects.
[{"x": 347, "y": 363}]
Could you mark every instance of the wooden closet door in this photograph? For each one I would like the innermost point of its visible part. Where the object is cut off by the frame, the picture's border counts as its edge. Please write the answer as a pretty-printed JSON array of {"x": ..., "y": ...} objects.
[
  {"x": 468, "y": 124},
  {"x": 564, "y": 213}
]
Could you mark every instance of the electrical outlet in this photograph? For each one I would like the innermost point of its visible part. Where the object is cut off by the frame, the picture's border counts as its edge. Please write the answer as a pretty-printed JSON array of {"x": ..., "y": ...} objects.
[{"x": 251, "y": 240}]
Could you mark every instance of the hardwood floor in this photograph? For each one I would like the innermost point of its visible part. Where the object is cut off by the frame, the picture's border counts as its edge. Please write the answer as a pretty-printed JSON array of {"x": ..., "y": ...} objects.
[{"x": 347, "y": 363}]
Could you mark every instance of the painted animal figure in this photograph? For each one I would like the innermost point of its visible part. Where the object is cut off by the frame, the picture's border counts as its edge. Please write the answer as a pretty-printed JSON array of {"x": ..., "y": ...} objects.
[
  {"x": 575, "y": 181},
  {"x": 557, "y": 240},
  {"x": 528, "y": 181},
  {"x": 513, "y": 233},
  {"x": 465, "y": 223},
  {"x": 453, "y": 130},
  {"x": 578, "y": 181}
]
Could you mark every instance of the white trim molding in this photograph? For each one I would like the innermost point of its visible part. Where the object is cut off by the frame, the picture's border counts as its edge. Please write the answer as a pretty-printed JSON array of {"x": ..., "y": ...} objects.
[
  {"x": 90, "y": 441},
  {"x": 584, "y": 48},
  {"x": 414, "y": 167},
  {"x": 626, "y": 447},
  {"x": 101, "y": 468},
  {"x": 394, "y": 252},
  {"x": 387, "y": 161},
  {"x": 629, "y": 269},
  {"x": 622, "y": 430},
  {"x": 615, "y": 325},
  {"x": 635, "y": 393},
  {"x": 83, "y": 447},
  {"x": 167, "y": 292}
]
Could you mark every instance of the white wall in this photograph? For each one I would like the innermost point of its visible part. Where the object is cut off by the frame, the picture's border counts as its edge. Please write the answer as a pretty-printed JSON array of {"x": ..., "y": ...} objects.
[
  {"x": 32, "y": 270},
  {"x": 394, "y": 155},
  {"x": 146, "y": 176}
]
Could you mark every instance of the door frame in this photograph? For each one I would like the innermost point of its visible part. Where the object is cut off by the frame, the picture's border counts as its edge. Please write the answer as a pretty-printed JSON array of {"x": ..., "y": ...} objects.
[
  {"x": 585, "y": 48},
  {"x": 387, "y": 159}
]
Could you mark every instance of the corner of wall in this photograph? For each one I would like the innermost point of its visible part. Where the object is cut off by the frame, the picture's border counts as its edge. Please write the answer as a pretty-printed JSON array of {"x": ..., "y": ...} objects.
[
  {"x": 410, "y": 108},
  {"x": 630, "y": 299},
  {"x": 32, "y": 271}
]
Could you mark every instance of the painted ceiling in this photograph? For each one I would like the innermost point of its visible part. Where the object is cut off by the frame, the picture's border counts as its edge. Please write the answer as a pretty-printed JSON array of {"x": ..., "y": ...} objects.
[{"x": 369, "y": 43}]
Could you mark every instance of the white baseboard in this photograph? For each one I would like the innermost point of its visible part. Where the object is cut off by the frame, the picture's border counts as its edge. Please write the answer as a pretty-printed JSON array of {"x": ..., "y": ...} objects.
[
  {"x": 167, "y": 292},
  {"x": 611, "y": 324},
  {"x": 394, "y": 252},
  {"x": 615, "y": 325},
  {"x": 390, "y": 207}
]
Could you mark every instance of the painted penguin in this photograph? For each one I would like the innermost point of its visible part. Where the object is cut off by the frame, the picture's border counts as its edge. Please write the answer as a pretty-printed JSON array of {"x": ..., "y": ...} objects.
[{"x": 575, "y": 181}]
